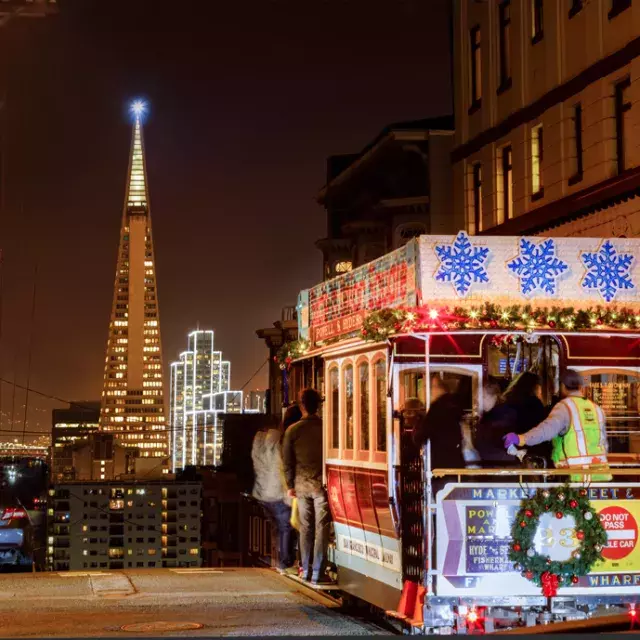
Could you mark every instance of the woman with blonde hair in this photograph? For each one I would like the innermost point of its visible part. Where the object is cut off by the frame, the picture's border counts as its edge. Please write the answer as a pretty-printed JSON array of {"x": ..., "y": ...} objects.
[{"x": 270, "y": 488}]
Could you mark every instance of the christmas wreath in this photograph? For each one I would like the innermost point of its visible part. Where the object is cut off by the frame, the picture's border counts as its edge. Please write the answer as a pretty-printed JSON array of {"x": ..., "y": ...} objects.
[{"x": 588, "y": 538}]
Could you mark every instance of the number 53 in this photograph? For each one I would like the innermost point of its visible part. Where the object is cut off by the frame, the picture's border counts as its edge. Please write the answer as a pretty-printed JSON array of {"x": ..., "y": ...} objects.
[{"x": 567, "y": 538}]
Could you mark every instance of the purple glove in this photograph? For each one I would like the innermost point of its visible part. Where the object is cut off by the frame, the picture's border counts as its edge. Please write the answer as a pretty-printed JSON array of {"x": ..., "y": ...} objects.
[{"x": 511, "y": 439}]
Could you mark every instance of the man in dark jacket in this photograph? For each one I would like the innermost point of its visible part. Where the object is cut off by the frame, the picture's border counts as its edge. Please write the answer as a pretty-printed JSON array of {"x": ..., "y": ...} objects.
[
  {"x": 441, "y": 425},
  {"x": 302, "y": 452}
]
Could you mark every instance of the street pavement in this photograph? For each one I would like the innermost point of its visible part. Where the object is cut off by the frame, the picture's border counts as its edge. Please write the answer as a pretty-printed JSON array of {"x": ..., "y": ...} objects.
[{"x": 167, "y": 602}]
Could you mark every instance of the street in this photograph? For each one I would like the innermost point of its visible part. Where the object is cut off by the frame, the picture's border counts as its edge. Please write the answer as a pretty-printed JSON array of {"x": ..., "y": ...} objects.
[{"x": 205, "y": 602}]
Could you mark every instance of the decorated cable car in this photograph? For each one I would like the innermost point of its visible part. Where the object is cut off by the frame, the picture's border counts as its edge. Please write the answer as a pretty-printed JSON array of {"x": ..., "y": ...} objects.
[{"x": 454, "y": 549}]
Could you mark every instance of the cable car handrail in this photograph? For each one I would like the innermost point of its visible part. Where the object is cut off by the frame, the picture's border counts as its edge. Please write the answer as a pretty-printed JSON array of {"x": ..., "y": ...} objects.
[{"x": 440, "y": 473}]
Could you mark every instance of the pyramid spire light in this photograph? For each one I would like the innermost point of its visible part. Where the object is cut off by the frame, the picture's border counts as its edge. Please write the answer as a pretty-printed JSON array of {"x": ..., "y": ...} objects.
[{"x": 138, "y": 107}]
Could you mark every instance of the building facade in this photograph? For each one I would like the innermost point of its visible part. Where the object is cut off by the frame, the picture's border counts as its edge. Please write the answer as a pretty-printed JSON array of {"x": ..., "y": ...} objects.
[
  {"x": 133, "y": 396},
  {"x": 397, "y": 188},
  {"x": 107, "y": 525},
  {"x": 71, "y": 427},
  {"x": 200, "y": 395},
  {"x": 546, "y": 110}
]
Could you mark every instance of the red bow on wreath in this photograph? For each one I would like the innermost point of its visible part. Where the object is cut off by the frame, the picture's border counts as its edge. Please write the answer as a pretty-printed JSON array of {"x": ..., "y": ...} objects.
[{"x": 550, "y": 584}]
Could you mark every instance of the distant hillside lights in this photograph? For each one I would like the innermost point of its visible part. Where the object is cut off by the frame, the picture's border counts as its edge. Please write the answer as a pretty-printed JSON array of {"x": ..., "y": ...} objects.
[{"x": 200, "y": 395}]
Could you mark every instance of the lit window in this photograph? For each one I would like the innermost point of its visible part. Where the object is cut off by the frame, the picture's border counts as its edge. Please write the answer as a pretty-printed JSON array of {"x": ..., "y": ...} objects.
[
  {"x": 343, "y": 267},
  {"x": 194, "y": 552},
  {"x": 536, "y": 161}
]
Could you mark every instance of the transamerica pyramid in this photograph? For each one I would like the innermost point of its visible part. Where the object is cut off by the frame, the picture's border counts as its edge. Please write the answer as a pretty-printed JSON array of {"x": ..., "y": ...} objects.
[{"x": 132, "y": 397}]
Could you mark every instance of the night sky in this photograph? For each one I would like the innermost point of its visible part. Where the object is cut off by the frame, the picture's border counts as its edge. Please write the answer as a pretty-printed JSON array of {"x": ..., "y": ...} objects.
[{"x": 247, "y": 99}]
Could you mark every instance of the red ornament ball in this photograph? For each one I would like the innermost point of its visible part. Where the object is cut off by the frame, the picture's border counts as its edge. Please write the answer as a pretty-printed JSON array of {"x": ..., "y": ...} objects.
[
  {"x": 523, "y": 524},
  {"x": 517, "y": 547},
  {"x": 573, "y": 504},
  {"x": 547, "y": 507},
  {"x": 552, "y": 323},
  {"x": 559, "y": 515},
  {"x": 580, "y": 535},
  {"x": 528, "y": 513},
  {"x": 575, "y": 579},
  {"x": 599, "y": 321},
  {"x": 583, "y": 492},
  {"x": 493, "y": 324},
  {"x": 529, "y": 575}
]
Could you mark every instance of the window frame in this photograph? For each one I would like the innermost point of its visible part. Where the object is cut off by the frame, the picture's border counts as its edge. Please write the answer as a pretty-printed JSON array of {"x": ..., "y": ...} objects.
[
  {"x": 537, "y": 21},
  {"x": 475, "y": 68},
  {"x": 346, "y": 454},
  {"x": 476, "y": 194},
  {"x": 577, "y": 137},
  {"x": 576, "y": 8},
  {"x": 537, "y": 135},
  {"x": 332, "y": 451},
  {"x": 376, "y": 454},
  {"x": 504, "y": 46},
  {"x": 620, "y": 108},
  {"x": 506, "y": 184},
  {"x": 360, "y": 453},
  {"x": 617, "y": 7}
]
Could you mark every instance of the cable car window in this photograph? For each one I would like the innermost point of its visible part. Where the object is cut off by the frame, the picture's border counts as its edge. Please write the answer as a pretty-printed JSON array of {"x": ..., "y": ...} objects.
[
  {"x": 617, "y": 392},
  {"x": 363, "y": 375},
  {"x": 348, "y": 396},
  {"x": 334, "y": 387},
  {"x": 381, "y": 405}
]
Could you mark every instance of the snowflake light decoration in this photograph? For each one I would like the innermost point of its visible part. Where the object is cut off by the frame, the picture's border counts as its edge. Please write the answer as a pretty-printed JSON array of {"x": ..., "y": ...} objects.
[
  {"x": 461, "y": 263},
  {"x": 537, "y": 267},
  {"x": 607, "y": 271}
]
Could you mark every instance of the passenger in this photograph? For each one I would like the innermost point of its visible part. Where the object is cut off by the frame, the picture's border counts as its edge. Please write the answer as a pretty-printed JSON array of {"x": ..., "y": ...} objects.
[
  {"x": 303, "y": 470},
  {"x": 442, "y": 426},
  {"x": 270, "y": 489},
  {"x": 519, "y": 412},
  {"x": 577, "y": 429},
  {"x": 411, "y": 414},
  {"x": 291, "y": 416}
]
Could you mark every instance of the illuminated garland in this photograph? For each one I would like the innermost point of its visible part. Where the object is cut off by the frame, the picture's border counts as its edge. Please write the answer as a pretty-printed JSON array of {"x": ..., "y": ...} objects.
[
  {"x": 589, "y": 538},
  {"x": 289, "y": 351},
  {"x": 379, "y": 325}
]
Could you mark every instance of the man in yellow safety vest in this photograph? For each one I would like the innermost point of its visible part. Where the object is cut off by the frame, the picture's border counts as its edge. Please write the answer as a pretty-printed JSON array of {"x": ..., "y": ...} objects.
[{"x": 577, "y": 430}]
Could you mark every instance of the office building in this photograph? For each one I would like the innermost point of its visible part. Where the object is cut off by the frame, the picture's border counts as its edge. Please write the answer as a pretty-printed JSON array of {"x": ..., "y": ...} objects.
[
  {"x": 123, "y": 525},
  {"x": 132, "y": 398},
  {"x": 546, "y": 117},
  {"x": 200, "y": 395}
]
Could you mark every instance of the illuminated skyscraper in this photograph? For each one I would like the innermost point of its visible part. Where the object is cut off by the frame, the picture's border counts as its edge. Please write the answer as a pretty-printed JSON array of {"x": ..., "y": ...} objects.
[
  {"x": 132, "y": 397},
  {"x": 200, "y": 394}
]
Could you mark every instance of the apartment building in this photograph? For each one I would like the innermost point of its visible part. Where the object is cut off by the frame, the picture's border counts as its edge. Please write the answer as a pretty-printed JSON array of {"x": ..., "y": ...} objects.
[
  {"x": 547, "y": 117},
  {"x": 123, "y": 525}
]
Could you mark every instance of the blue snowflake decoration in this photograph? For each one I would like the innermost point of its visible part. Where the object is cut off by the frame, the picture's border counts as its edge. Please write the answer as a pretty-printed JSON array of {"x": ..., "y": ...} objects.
[
  {"x": 607, "y": 271},
  {"x": 537, "y": 267},
  {"x": 461, "y": 263}
]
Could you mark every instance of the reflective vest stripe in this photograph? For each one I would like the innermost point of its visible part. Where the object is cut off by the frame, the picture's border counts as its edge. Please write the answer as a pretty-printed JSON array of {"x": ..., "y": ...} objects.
[
  {"x": 585, "y": 460},
  {"x": 581, "y": 441}
]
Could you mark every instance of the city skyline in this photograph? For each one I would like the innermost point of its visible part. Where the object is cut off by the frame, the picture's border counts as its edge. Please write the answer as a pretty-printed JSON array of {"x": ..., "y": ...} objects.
[{"x": 216, "y": 165}]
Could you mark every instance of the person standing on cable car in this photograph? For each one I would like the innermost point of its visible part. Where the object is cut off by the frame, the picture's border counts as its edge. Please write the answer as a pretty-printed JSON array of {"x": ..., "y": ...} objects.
[
  {"x": 442, "y": 426},
  {"x": 302, "y": 451},
  {"x": 519, "y": 411},
  {"x": 576, "y": 427}
]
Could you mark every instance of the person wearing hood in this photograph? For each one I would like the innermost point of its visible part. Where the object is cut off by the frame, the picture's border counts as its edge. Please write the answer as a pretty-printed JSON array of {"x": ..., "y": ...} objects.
[{"x": 270, "y": 489}]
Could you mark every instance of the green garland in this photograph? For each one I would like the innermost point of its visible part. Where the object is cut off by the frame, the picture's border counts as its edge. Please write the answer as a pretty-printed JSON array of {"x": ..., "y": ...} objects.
[
  {"x": 589, "y": 537},
  {"x": 381, "y": 324},
  {"x": 289, "y": 351}
]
